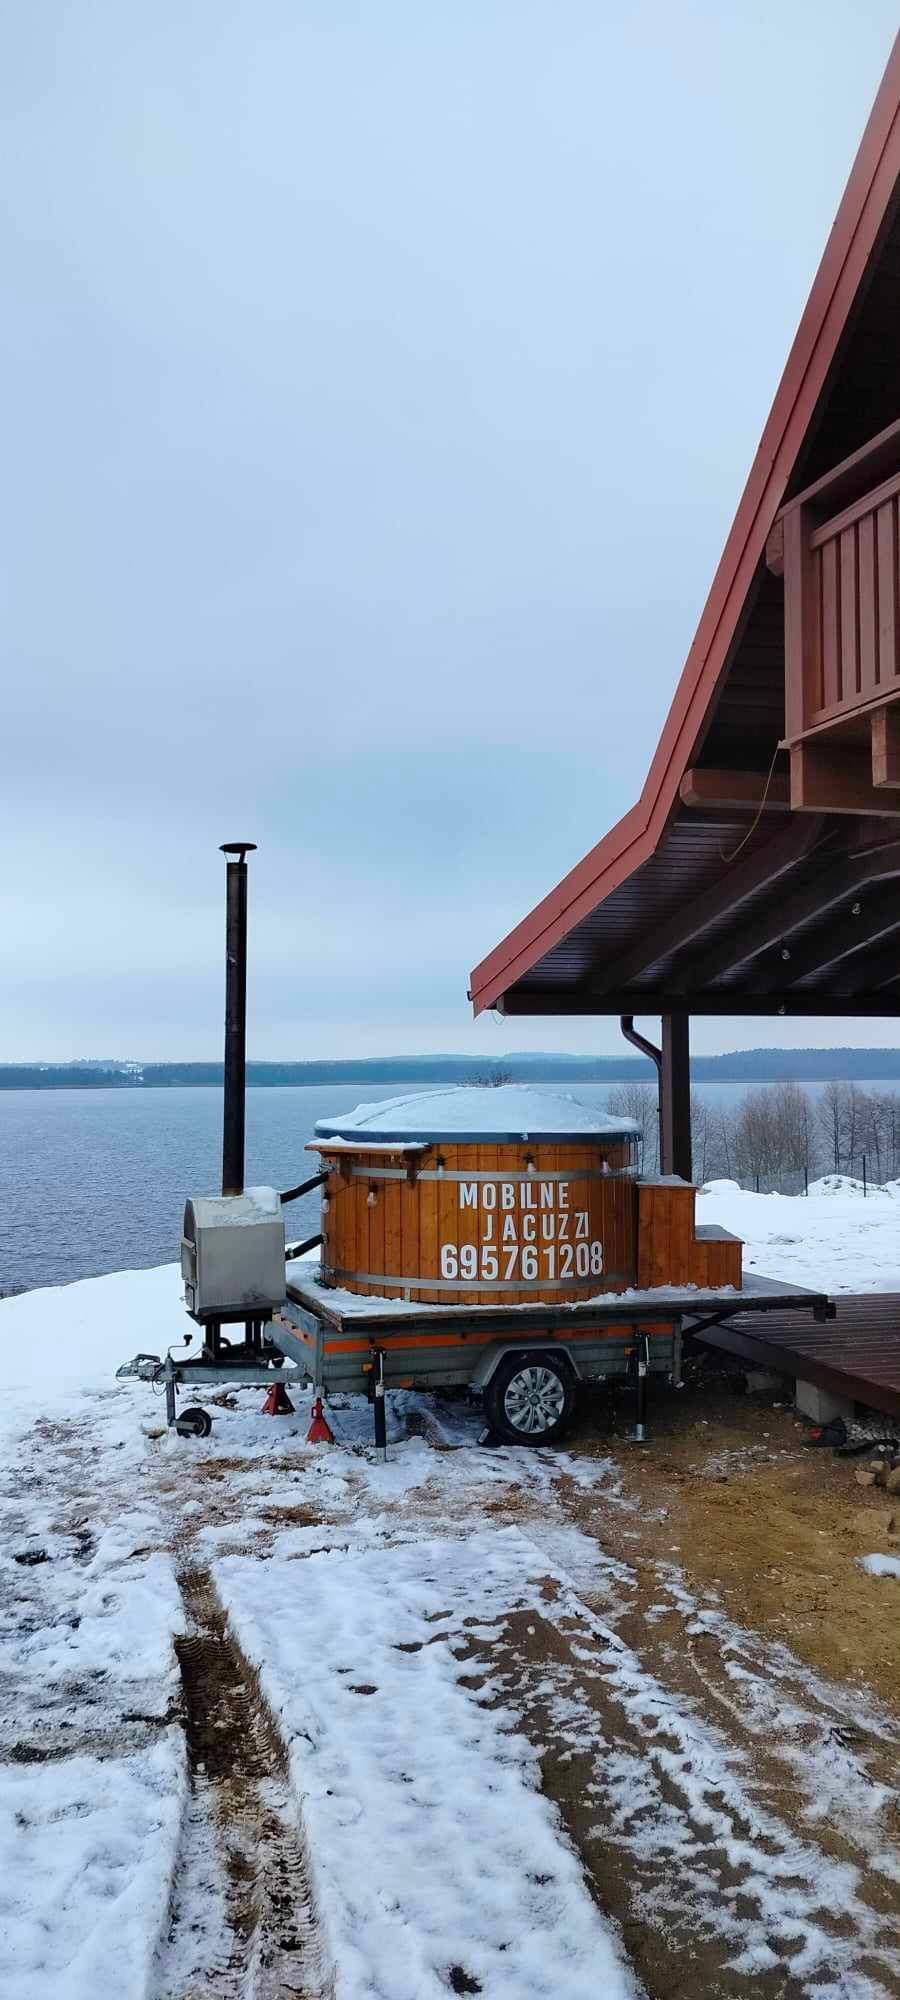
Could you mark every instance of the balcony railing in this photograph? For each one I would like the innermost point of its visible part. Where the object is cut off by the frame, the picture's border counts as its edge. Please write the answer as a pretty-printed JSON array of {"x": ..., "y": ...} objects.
[{"x": 837, "y": 546}]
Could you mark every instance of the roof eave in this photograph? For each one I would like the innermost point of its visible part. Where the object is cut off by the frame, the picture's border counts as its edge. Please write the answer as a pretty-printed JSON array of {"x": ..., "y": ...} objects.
[{"x": 631, "y": 842}]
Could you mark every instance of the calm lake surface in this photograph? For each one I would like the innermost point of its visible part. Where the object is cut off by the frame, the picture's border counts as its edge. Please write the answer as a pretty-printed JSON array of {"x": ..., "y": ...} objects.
[{"x": 95, "y": 1180}]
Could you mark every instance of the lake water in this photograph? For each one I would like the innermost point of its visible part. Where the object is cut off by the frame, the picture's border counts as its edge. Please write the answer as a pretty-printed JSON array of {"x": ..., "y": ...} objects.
[{"x": 95, "y": 1180}]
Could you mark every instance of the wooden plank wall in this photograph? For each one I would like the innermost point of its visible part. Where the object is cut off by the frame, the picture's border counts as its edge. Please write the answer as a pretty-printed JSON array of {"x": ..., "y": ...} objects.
[
  {"x": 646, "y": 1229},
  {"x": 669, "y": 1251}
]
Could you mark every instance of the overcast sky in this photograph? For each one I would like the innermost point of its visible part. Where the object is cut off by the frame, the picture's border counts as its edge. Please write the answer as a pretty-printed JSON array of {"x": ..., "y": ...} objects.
[{"x": 353, "y": 360}]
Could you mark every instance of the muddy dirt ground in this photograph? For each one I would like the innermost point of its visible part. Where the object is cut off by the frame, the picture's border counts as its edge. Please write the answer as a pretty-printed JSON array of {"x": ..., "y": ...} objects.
[
  {"x": 729, "y": 1510},
  {"x": 710, "y": 1682},
  {"x": 772, "y": 1526}
]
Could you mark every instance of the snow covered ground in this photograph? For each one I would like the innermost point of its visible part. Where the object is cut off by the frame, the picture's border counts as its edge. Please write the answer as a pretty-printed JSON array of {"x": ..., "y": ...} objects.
[
  {"x": 88, "y": 1848},
  {"x": 282, "y": 1719},
  {"x": 362, "y": 1662},
  {"x": 89, "y": 1606},
  {"x": 833, "y": 1239}
]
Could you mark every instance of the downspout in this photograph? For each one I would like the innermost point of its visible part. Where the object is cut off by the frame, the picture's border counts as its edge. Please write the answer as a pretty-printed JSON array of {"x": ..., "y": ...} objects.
[{"x": 638, "y": 1041}]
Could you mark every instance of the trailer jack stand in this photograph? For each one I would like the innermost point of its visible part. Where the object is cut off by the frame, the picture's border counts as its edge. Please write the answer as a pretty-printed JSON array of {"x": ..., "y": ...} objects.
[
  {"x": 171, "y": 1404},
  {"x": 378, "y": 1412},
  {"x": 320, "y": 1431},
  {"x": 278, "y": 1402}
]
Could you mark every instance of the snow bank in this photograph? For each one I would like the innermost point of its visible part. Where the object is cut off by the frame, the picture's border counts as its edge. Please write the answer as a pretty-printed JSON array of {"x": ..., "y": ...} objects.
[
  {"x": 87, "y": 1852},
  {"x": 830, "y": 1240},
  {"x": 846, "y": 1184},
  {"x": 75, "y": 1336},
  {"x": 430, "y": 1845}
]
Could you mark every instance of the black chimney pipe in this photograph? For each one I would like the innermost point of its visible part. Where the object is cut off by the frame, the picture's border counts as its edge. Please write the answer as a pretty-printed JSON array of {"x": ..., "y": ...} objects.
[{"x": 235, "y": 1014}]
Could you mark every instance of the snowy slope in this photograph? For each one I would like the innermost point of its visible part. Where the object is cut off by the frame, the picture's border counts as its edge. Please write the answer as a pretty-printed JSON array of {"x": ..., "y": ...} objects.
[
  {"x": 832, "y": 1240},
  {"x": 71, "y": 1337}
]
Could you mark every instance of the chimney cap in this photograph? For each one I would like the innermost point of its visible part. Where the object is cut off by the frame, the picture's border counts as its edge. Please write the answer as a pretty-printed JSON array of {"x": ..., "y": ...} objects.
[{"x": 239, "y": 847}]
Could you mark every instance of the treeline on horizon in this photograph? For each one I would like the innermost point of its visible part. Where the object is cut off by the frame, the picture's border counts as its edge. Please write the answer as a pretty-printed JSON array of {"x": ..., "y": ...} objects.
[{"x": 742, "y": 1065}]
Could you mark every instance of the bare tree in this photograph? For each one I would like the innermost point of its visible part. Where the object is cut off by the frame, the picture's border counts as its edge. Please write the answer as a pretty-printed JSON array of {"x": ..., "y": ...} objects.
[
  {"x": 878, "y": 1128},
  {"x": 855, "y": 1112},
  {"x": 889, "y": 1113},
  {"x": 794, "y": 1119},
  {"x": 831, "y": 1119},
  {"x": 639, "y": 1100},
  {"x": 855, "y": 1122},
  {"x": 774, "y": 1136},
  {"x": 710, "y": 1151},
  {"x": 726, "y": 1139},
  {"x": 754, "y": 1141}
]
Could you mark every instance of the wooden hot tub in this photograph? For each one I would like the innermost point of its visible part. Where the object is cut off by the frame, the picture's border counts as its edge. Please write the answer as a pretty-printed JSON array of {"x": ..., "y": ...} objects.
[
  {"x": 479, "y": 1196},
  {"x": 513, "y": 1196}
]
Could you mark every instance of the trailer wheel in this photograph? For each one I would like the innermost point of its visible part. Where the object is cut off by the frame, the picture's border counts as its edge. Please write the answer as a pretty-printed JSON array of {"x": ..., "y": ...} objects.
[
  {"x": 193, "y": 1422},
  {"x": 530, "y": 1399}
]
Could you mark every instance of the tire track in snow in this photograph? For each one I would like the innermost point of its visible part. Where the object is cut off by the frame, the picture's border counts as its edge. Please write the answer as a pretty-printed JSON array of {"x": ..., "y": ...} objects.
[
  {"x": 242, "y": 1925},
  {"x": 831, "y": 1755},
  {"x": 716, "y": 1892}
]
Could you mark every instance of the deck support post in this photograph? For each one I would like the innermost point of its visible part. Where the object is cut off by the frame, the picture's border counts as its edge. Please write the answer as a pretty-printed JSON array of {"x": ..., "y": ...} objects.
[{"x": 675, "y": 1096}]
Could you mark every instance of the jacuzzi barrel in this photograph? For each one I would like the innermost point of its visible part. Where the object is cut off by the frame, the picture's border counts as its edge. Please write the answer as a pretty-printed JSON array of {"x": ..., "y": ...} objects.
[{"x": 479, "y": 1196}]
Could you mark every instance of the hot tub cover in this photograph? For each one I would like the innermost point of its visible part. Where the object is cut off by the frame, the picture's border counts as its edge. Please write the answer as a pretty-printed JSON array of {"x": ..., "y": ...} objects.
[{"x": 466, "y": 1114}]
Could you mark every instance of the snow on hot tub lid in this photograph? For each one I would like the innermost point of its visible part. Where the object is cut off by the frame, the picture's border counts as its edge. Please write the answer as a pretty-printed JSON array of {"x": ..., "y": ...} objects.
[{"x": 466, "y": 1114}]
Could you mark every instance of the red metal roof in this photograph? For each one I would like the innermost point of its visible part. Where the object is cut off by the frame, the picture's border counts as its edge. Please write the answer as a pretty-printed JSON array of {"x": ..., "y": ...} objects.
[{"x": 637, "y": 837}]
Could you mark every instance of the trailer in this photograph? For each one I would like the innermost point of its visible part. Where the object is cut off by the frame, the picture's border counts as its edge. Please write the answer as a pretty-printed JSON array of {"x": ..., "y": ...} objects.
[
  {"x": 526, "y": 1363},
  {"x": 500, "y": 1240}
]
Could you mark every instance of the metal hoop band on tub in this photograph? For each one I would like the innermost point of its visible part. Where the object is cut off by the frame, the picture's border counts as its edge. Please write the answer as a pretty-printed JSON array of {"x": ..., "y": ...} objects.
[
  {"x": 494, "y": 1174},
  {"x": 616, "y": 1280}
]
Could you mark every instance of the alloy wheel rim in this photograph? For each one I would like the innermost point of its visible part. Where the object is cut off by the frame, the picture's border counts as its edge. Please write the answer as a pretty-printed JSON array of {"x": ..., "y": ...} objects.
[{"x": 534, "y": 1399}]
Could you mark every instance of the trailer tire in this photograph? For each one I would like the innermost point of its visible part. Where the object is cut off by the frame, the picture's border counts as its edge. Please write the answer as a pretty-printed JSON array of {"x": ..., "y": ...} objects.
[
  {"x": 193, "y": 1422},
  {"x": 530, "y": 1399}
]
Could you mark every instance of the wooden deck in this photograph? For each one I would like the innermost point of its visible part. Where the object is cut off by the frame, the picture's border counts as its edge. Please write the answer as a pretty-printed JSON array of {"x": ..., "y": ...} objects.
[{"x": 856, "y": 1355}]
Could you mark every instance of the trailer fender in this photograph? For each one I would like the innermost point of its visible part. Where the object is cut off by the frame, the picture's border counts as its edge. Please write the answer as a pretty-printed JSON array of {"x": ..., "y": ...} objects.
[{"x": 489, "y": 1361}]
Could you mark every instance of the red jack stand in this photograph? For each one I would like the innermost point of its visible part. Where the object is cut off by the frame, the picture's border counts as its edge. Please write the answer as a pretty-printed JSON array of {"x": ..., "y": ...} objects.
[
  {"x": 278, "y": 1402},
  {"x": 319, "y": 1431}
]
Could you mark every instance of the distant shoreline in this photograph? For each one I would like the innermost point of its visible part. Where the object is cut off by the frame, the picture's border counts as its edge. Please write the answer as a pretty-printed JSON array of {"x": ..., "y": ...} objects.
[{"x": 740, "y": 1066}]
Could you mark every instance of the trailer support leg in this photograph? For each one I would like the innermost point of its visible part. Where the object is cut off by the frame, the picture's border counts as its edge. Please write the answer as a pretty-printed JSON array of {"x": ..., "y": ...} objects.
[
  {"x": 170, "y": 1391},
  {"x": 379, "y": 1409},
  {"x": 641, "y": 1371}
]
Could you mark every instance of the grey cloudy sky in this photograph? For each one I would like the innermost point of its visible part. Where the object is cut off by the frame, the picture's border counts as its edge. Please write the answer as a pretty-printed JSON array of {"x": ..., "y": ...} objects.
[{"x": 353, "y": 357}]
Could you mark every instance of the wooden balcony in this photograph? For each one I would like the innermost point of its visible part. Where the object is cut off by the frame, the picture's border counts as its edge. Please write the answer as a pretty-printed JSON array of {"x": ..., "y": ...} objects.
[{"x": 837, "y": 545}]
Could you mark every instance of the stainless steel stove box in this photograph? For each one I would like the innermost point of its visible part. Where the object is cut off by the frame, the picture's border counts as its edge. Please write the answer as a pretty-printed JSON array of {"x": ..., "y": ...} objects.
[{"x": 232, "y": 1255}]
